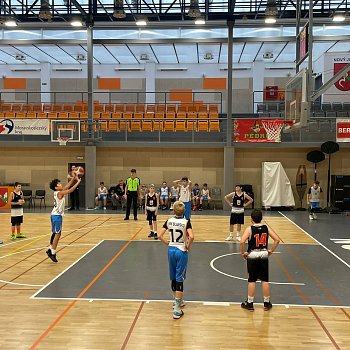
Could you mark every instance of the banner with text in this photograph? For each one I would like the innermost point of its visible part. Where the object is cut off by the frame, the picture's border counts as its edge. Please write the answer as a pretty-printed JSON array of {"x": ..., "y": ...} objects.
[
  {"x": 252, "y": 130},
  {"x": 24, "y": 126},
  {"x": 343, "y": 130}
]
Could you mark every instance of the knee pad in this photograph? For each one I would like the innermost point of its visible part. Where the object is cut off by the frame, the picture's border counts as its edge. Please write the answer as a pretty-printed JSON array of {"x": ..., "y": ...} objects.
[
  {"x": 173, "y": 285},
  {"x": 179, "y": 286}
]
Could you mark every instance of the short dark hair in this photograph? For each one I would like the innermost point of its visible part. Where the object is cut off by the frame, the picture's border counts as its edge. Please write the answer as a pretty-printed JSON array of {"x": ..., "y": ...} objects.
[
  {"x": 133, "y": 170},
  {"x": 53, "y": 184},
  {"x": 16, "y": 184},
  {"x": 317, "y": 182},
  {"x": 256, "y": 216},
  {"x": 205, "y": 184},
  {"x": 239, "y": 186},
  {"x": 185, "y": 178},
  {"x": 196, "y": 184},
  {"x": 102, "y": 183}
]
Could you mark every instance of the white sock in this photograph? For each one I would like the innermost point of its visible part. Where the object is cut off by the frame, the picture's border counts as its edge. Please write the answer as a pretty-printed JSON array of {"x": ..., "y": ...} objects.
[
  {"x": 267, "y": 299},
  {"x": 231, "y": 234},
  {"x": 238, "y": 234},
  {"x": 250, "y": 299},
  {"x": 53, "y": 251}
]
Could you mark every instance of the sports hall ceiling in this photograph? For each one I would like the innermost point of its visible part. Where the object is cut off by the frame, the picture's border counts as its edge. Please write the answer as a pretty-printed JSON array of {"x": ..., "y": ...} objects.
[
  {"x": 170, "y": 53},
  {"x": 96, "y": 11}
]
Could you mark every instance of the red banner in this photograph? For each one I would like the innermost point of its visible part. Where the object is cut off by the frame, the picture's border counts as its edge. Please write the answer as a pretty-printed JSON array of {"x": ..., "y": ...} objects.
[
  {"x": 343, "y": 130},
  {"x": 253, "y": 130},
  {"x": 343, "y": 84}
]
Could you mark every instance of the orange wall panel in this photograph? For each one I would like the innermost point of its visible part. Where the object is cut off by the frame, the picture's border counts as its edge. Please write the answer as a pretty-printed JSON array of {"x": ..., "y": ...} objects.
[
  {"x": 181, "y": 95},
  {"x": 108, "y": 83},
  {"x": 214, "y": 83},
  {"x": 15, "y": 83}
]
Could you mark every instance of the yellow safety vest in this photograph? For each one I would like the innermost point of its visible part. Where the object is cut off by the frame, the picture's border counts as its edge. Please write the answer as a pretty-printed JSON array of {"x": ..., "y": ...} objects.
[{"x": 132, "y": 184}]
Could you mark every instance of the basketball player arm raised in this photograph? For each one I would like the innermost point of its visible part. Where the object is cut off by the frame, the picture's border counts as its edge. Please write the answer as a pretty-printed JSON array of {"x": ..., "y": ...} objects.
[
  {"x": 227, "y": 197},
  {"x": 66, "y": 188}
]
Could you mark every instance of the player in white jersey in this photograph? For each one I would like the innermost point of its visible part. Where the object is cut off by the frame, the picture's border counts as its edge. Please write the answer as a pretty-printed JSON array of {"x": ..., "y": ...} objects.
[
  {"x": 313, "y": 199},
  {"x": 185, "y": 194},
  {"x": 180, "y": 242},
  {"x": 164, "y": 193},
  {"x": 174, "y": 195},
  {"x": 58, "y": 211}
]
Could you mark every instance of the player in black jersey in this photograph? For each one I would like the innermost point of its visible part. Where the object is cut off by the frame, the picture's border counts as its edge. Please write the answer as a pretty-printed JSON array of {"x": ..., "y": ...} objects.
[
  {"x": 17, "y": 201},
  {"x": 257, "y": 255},
  {"x": 151, "y": 205},
  {"x": 239, "y": 200}
]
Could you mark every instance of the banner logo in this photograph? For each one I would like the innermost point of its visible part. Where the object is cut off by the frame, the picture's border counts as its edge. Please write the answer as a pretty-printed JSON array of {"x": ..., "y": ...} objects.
[
  {"x": 3, "y": 197},
  {"x": 343, "y": 84},
  {"x": 6, "y": 126}
]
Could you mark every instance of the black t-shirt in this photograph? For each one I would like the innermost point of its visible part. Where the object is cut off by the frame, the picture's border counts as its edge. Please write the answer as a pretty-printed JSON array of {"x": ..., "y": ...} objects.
[
  {"x": 259, "y": 238},
  {"x": 16, "y": 198},
  {"x": 120, "y": 189}
]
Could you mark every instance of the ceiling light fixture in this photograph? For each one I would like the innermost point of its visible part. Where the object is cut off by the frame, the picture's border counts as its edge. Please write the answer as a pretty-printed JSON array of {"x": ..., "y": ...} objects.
[
  {"x": 271, "y": 12},
  {"x": 199, "y": 21},
  {"x": 11, "y": 23},
  {"x": 141, "y": 21},
  {"x": 119, "y": 9},
  {"x": 338, "y": 17},
  {"x": 194, "y": 10},
  {"x": 76, "y": 23},
  {"x": 45, "y": 10}
]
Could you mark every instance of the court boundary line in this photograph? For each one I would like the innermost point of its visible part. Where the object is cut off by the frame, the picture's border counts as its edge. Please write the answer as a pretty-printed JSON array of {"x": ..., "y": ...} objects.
[
  {"x": 65, "y": 270},
  {"x": 220, "y": 303},
  {"x": 318, "y": 242},
  {"x": 89, "y": 285}
]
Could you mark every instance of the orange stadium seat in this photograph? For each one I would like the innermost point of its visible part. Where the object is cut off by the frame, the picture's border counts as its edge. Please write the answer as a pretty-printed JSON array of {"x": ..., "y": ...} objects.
[
  {"x": 57, "y": 108},
  {"x": 181, "y": 115},
  {"x": 63, "y": 115},
  {"x": 135, "y": 125},
  {"x": 130, "y": 107},
  {"x": 202, "y": 125},
  {"x": 138, "y": 115},
  {"x": 180, "y": 125},
  {"x": 16, "y": 107},
  {"x": 213, "y": 115},
  {"x": 37, "y": 107},
  {"x": 117, "y": 115},
  {"x": 169, "y": 125},
  {"x": 27, "y": 107},
  {"x": 73, "y": 115},
  {"x": 149, "y": 115},
  {"x": 127, "y": 115},
  {"x": 99, "y": 108},
  {"x": 160, "y": 108},
  {"x": 213, "y": 107},
  {"x": 6, "y": 107},
  {"x": 21, "y": 115},
  {"x": 147, "y": 125},
  {"x": 47, "y": 107},
  {"x": 170, "y": 115},
  {"x": 191, "y": 125},
  {"x": 109, "y": 108},
  {"x": 10, "y": 114},
  {"x": 171, "y": 108},
  {"x": 151, "y": 108},
  {"x": 52, "y": 115},
  {"x": 30, "y": 115},
  {"x": 113, "y": 125},
  {"x": 140, "y": 107},
  {"x": 41, "y": 115},
  {"x": 192, "y": 115},
  {"x": 214, "y": 125},
  {"x": 119, "y": 107},
  {"x": 203, "y": 115}
]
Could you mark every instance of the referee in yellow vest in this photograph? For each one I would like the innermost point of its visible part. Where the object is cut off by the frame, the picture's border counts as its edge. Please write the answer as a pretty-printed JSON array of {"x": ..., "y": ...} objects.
[{"x": 132, "y": 192}]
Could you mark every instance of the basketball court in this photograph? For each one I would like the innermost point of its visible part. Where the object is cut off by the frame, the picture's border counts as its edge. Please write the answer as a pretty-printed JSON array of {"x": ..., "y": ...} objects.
[{"x": 112, "y": 281}]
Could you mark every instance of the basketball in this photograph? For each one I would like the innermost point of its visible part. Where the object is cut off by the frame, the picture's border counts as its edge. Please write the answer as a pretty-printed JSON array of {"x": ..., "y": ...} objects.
[{"x": 80, "y": 171}]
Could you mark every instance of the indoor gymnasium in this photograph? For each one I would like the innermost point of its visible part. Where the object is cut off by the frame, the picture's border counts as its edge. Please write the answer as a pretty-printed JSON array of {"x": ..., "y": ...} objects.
[{"x": 174, "y": 174}]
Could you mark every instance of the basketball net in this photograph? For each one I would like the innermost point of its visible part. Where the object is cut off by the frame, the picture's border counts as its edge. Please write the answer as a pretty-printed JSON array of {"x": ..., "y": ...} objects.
[
  {"x": 63, "y": 140},
  {"x": 273, "y": 129}
]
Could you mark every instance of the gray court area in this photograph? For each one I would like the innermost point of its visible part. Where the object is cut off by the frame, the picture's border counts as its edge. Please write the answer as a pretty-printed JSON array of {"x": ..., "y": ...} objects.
[{"x": 141, "y": 272}]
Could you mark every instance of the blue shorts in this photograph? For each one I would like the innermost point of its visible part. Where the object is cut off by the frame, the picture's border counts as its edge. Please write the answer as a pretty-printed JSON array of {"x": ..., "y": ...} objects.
[
  {"x": 102, "y": 196},
  {"x": 314, "y": 205},
  {"x": 164, "y": 196},
  {"x": 177, "y": 264},
  {"x": 187, "y": 214},
  {"x": 56, "y": 223},
  {"x": 204, "y": 197}
]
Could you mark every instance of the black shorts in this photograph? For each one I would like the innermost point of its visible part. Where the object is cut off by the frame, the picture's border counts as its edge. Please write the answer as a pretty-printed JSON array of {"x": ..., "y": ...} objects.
[
  {"x": 151, "y": 216},
  {"x": 237, "y": 218},
  {"x": 258, "y": 269},
  {"x": 16, "y": 220}
]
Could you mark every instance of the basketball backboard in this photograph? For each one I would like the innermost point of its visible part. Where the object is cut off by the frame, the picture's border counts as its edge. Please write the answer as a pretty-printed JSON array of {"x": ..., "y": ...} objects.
[
  {"x": 69, "y": 129},
  {"x": 296, "y": 100}
]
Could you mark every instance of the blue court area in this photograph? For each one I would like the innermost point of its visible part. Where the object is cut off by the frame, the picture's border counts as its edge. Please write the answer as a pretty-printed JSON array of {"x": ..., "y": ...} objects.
[{"x": 300, "y": 274}]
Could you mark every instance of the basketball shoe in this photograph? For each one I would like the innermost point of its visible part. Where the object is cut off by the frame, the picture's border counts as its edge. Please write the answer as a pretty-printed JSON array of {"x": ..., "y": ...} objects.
[
  {"x": 267, "y": 306},
  {"x": 229, "y": 238},
  {"x": 247, "y": 306}
]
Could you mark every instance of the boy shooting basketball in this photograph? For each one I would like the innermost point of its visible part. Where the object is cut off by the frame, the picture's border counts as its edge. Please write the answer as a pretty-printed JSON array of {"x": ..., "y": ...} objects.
[
  {"x": 180, "y": 242},
  {"x": 257, "y": 255},
  {"x": 58, "y": 211}
]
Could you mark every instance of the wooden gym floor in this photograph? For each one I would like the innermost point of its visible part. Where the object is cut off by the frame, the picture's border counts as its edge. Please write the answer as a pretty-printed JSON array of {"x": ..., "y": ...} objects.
[{"x": 28, "y": 322}]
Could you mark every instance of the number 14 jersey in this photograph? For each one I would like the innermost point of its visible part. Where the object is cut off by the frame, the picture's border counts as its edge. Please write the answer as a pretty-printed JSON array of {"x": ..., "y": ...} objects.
[{"x": 177, "y": 228}]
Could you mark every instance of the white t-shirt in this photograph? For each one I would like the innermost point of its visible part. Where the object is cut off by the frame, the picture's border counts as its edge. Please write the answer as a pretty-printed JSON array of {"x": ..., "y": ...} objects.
[
  {"x": 59, "y": 204},
  {"x": 185, "y": 193},
  {"x": 177, "y": 228}
]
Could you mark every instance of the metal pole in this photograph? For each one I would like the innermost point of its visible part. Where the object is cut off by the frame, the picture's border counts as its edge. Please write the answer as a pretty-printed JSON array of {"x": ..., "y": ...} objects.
[
  {"x": 297, "y": 32},
  {"x": 90, "y": 70},
  {"x": 229, "y": 130},
  {"x": 310, "y": 88}
]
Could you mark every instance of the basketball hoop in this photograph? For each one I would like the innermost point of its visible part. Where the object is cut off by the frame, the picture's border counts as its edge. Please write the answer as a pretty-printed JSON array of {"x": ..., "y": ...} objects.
[
  {"x": 273, "y": 129},
  {"x": 62, "y": 140}
]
